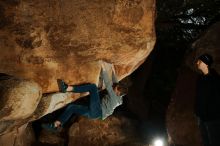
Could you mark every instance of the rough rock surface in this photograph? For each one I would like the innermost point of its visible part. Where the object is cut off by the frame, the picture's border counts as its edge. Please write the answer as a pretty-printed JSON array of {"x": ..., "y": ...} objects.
[
  {"x": 112, "y": 131},
  {"x": 23, "y": 102},
  {"x": 55, "y": 139},
  {"x": 181, "y": 122},
  {"x": 51, "y": 102},
  {"x": 47, "y": 40},
  {"x": 22, "y": 136},
  {"x": 19, "y": 98}
]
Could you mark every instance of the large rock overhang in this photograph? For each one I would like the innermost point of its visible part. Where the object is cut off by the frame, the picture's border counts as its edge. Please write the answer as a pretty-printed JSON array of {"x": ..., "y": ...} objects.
[{"x": 49, "y": 40}]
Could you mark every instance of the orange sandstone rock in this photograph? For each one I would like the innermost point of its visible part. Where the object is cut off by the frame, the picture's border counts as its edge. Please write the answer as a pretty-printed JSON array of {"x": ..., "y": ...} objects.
[{"x": 47, "y": 40}]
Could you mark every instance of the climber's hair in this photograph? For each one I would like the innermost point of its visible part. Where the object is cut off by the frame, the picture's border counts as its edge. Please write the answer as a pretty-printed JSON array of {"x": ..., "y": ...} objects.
[{"x": 122, "y": 87}]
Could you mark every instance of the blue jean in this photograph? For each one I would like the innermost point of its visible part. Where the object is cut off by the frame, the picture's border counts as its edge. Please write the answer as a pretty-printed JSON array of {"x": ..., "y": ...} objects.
[{"x": 92, "y": 111}]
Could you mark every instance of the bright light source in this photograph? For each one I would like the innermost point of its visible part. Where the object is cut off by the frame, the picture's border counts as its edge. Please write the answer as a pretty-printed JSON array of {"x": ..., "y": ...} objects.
[{"x": 158, "y": 142}]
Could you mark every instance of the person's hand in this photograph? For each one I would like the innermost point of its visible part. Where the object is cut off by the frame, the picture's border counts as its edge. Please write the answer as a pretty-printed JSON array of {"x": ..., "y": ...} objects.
[
  {"x": 113, "y": 69},
  {"x": 103, "y": 66}
]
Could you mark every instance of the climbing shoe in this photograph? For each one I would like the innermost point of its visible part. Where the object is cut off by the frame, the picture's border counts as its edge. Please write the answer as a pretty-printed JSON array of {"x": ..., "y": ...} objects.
[
  {"x": 50, "y": 127},
  {"x": 62, "y": 85}
]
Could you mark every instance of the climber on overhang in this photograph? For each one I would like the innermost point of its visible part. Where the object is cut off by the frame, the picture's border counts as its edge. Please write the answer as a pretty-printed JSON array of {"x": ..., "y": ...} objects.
[{"x": 97, "y": 108}]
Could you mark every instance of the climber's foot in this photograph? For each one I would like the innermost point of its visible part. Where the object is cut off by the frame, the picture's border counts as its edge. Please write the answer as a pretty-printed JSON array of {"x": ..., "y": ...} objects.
[{"x": 62, "y": 86}]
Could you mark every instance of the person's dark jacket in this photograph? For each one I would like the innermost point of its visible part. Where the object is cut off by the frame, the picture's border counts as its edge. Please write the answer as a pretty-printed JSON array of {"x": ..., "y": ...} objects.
[{"x": 208, "y": 97}]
